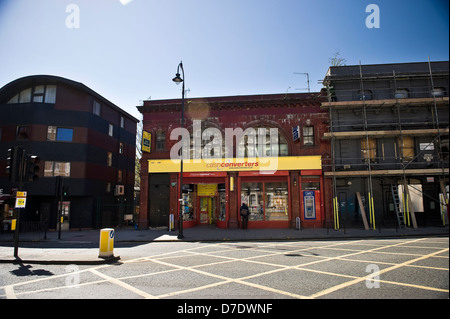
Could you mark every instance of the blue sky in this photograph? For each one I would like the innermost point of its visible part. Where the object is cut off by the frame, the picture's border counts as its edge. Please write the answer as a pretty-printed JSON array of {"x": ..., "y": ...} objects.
[{"x": 129, "y": 50}]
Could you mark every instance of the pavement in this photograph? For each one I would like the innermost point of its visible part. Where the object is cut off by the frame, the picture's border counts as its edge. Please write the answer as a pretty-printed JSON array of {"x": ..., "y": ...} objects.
[{"x": 78, "y": 247}]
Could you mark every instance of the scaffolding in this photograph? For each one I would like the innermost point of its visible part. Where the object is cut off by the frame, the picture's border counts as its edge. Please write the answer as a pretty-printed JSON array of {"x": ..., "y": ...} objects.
[{"x": 401, "y": 100}]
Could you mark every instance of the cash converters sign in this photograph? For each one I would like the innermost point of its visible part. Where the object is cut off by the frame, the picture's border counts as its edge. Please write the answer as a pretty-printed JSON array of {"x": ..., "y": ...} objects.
[{"x": 236, "y": 164}]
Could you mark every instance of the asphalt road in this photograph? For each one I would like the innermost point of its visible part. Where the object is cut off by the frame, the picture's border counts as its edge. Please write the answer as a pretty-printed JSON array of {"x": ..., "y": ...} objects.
[{"x": 267, "y": 270}]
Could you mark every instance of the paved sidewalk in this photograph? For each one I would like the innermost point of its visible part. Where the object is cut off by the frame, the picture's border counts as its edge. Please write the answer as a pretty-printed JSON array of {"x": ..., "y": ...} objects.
[{"x": 79, "y": 247}]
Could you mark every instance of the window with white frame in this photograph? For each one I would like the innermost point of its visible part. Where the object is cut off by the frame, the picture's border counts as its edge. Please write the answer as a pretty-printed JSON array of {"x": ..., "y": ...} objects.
[{"x": 308, "y": 135}]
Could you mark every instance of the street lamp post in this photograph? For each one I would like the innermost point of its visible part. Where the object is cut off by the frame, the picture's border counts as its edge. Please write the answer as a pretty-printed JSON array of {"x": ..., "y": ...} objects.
[{"x": 177, "y": 79}]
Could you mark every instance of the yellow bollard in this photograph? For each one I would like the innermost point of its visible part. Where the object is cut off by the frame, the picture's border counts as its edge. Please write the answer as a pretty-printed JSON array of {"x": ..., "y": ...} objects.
[{"x": 106, "y": 243}]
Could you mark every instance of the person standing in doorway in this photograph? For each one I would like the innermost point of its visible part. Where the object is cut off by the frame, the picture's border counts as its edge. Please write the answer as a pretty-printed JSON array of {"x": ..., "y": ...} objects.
[{"x": 244, "y": 214}]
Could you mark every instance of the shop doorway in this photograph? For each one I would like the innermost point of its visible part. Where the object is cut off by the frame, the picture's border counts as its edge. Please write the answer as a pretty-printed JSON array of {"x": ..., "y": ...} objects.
[
  {"x": 207, "y": 210},
  {"x": 159, "y": 200}
]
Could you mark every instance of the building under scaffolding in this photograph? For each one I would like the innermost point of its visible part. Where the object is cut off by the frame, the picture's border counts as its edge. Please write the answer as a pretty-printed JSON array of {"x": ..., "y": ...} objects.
[{"x": 389, "y": 134}]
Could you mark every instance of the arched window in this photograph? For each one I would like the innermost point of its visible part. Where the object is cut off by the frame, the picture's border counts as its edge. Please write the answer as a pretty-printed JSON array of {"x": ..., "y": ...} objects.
[
  {"x": 206, "y": 142},
  {"x": 401, "y": 94},
  {"x": 438, "y": 92},
  {"x": 36, "y": 94},
  {"x": 262, "y": 142}
]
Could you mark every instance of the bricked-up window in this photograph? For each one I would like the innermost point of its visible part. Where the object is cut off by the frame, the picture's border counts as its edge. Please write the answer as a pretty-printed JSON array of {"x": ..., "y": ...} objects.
[
  {"x": 160, "y": 140},
  {"x": 406, "y": 145},
  {"x": 368, "y": 149},
  {"x": 308, "y": 135}
]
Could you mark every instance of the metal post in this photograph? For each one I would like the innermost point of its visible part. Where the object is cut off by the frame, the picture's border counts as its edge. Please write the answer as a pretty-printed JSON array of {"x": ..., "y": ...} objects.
[
  {"x": 179, "y": 80},
  {"x": 22, "y": 164},
  {"x": 60, "y": 206}
]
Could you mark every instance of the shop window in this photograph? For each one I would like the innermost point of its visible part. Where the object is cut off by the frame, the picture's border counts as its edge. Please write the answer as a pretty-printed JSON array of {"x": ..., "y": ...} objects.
[
  {"x": 406, "y": 145},
  {"x": 267, "y": 201},
  {"x": 252, "y": 194},
  {"x": 368, "y": 149},
  {"x": 276, "y": 200},
  {"x": 188, "y": 204},
  {"x": 222, "y": 202}
]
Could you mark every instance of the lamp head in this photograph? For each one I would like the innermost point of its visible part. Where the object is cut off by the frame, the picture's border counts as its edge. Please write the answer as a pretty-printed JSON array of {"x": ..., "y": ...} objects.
[{"x": 177, "y": 79}]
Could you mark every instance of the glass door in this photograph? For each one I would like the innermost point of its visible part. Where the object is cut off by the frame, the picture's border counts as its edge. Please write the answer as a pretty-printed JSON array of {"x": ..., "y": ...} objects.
[{"x": 204, "y": 206}]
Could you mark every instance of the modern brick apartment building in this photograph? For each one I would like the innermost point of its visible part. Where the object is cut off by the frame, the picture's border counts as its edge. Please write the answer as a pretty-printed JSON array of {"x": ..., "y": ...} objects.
[{"x": 82, "y": 139}]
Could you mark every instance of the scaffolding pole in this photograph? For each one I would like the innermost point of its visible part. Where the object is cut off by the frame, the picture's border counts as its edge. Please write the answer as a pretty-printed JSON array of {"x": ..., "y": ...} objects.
[
  {"x": 369, "y": 180},
  {"x": 442, "y": 181}
]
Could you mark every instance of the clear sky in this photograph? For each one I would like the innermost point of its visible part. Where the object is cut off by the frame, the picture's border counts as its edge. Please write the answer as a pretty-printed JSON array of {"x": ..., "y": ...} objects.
[{"x": 129, "y": 50}]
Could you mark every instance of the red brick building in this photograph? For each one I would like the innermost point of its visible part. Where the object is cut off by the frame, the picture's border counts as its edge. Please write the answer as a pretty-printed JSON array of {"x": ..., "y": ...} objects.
[{"x": 277, "y": 173}]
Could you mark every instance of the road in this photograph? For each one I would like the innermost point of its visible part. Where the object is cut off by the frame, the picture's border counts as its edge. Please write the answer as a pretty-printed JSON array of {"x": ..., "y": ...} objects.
[{"x": 267, "y": 270}]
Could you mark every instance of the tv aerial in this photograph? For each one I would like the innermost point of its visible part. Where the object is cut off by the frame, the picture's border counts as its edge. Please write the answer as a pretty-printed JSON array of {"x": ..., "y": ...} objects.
[{"x": 307, "y": 80}]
